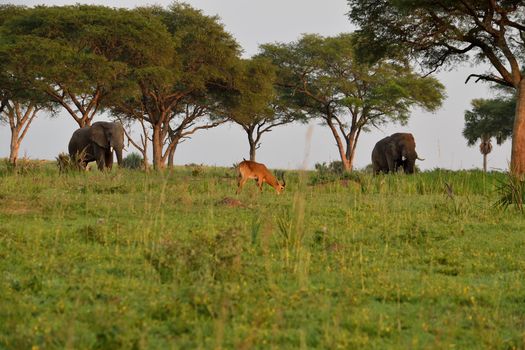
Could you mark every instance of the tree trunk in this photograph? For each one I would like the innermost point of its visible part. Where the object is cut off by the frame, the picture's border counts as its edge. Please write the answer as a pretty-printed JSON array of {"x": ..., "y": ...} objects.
[
  {"x": 15, "y": 146},
  {"x": 252, "y": 152},
  {"x": 145, "y": 160},
  {"x": 351, "y": 142},
  {"x": 517, "y": 162},
  {"x": 484, "y": 162},
  {"x": 348, "y": 159},
  {"x": 347, "y": 165},
  {"x": 171, "y": 154},
  {"x": 84, "y": 122},
  {"x": 158, "y": 164},
  {"x": 144, "y": 151},
  {"x": 171, "y": 157},
  {"x": 19, "y": 122},
  {"x": 251, "y": 142}
]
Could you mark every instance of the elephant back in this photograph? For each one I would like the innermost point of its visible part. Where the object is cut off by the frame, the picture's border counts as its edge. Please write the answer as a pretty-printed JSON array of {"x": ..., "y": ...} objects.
[{"x": 79, "y": 141}]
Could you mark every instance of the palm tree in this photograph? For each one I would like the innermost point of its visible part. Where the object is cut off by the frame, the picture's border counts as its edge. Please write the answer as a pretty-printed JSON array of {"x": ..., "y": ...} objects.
[
  {"x": 485, "y": 147},
  {"x": 487, "y": 119}
]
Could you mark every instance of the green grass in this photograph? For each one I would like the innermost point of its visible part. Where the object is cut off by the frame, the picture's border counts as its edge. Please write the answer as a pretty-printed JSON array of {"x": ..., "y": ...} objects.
[{"x": 138, "y": 260}]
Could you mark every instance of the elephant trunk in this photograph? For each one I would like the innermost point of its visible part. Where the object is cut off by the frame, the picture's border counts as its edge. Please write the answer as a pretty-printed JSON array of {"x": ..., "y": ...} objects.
[
  {"x": 118, "y": 152},
  {"x": 410, "y": 162},
  {"x": 409, "y": 166}
]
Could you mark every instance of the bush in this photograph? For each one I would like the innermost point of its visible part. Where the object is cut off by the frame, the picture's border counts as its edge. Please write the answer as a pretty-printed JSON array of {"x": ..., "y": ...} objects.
[
  {"x": 511, "y": 191},
  {"x": 66, "y": 164},
  {"x": 335, "y": 167},
  {"x": 328, "y": 172},
  {"x": 133, "y": 161}
]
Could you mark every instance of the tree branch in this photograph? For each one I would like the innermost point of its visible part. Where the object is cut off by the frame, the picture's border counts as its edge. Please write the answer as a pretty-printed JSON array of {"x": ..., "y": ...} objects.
[
  {"x": 491, "y": 78},
  {"x": 32, "y": 110}
]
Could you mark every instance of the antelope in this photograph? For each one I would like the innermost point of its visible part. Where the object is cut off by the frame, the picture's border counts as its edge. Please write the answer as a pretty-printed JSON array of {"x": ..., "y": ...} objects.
[{"x": 251, "y": 170}]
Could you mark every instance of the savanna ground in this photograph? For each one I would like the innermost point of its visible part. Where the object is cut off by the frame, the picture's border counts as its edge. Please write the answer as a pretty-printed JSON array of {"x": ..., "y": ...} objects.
[{"x": 138, "y": 260}]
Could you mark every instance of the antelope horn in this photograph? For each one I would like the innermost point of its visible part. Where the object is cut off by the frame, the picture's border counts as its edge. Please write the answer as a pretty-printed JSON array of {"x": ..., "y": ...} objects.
[{"x": 284, "y": 181}]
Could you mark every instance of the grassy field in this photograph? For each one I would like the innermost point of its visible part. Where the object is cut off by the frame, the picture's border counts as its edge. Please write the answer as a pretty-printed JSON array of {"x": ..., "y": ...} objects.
[{"x": 137, "y": 260}]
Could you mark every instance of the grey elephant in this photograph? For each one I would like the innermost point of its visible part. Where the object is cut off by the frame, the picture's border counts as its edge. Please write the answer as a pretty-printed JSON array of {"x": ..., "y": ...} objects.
[
  {"x": 98, "y": 142},
  {"x": 395, "y": 151}
]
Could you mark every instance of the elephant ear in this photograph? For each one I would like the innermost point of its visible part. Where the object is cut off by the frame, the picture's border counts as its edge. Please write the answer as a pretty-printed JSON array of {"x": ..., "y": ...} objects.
[
  {"x": 393, "y": 150},
  {"x": 98, "y": 135}
]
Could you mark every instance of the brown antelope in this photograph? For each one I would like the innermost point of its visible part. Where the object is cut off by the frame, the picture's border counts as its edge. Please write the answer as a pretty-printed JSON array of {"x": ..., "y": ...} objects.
[{"x": 251, "y": 170}]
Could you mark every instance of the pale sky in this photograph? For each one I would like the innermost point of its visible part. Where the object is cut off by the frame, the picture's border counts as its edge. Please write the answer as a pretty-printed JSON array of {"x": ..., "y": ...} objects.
[{"x": 254, "y": 22}]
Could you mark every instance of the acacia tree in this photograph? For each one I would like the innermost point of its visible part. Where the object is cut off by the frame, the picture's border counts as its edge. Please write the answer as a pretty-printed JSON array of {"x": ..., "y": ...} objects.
[
  {"x": 178, "y": 97},
  {"x": 18, "y": 115},
  {"x": 79, "y": 55},
  {"x": 440, "y": 32},
  {"x": 489, "y": 118},
  {"x": 322, "y": 78},
  {"x": 21, "y": 102},
  {"x": 253, "y": 103}
]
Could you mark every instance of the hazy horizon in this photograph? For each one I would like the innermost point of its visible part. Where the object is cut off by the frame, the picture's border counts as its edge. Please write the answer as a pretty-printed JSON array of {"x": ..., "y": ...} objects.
[{"x": 438, "y": 135}]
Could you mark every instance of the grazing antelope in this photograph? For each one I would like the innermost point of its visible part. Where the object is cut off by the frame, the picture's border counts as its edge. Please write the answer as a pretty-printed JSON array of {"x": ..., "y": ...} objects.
[{"x": 251, "y": 170}]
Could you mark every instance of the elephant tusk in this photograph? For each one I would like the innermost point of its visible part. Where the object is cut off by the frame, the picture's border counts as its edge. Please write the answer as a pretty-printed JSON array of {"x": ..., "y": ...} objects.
[{"x": 420, "y": 158}]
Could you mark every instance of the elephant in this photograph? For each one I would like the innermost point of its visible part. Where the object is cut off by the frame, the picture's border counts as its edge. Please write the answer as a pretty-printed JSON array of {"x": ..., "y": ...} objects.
[
  {"x": 98, "y": 142},
  {"x": 394, "y": 151}
]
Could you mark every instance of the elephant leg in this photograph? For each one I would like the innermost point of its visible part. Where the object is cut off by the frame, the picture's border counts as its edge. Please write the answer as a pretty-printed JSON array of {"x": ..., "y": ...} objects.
[
  {"x": 108, "y": 155},
  {"x": 99, "y": 157},
  {"x": 100, "y": 163},
  {"x": 391, "y": 164}
]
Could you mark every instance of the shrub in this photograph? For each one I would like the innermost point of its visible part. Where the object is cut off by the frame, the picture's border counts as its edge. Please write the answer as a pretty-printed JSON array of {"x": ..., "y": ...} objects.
[
  {"x": 328, "y": 172},
  {"x": 511, "y": 191},
  {"x": 133, "y": 161},
  {"x": 336, "y": 167},
  {"x": 65, "y": 163}
]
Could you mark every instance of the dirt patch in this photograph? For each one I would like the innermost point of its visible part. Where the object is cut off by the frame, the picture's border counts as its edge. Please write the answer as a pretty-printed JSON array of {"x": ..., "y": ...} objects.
[
  {"x": 17, "y": 207},
  {"x": 230, "y": 202}
]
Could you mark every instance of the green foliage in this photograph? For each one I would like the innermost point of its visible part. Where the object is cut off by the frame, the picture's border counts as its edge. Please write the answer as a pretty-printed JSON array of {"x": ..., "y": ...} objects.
[
  {"x": 490, "y": 118},
  {"x": 133, "y": 260},
  {"x": 133, "y": 161},
  {"x": 320, "y": 77},
  {"x": 317, "y": 69},
  {"x": 327, "y": 172},
  {"x": 511, "y": 191},
  {"x": 439, "y": 34},
  {"x": 252, "y": 93},
  {"x": 179, "y": 95},
  {"x": 83, "y": 57},
  {"x": 252, "y": 101},
  {"x": 443, "y": 33}
]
